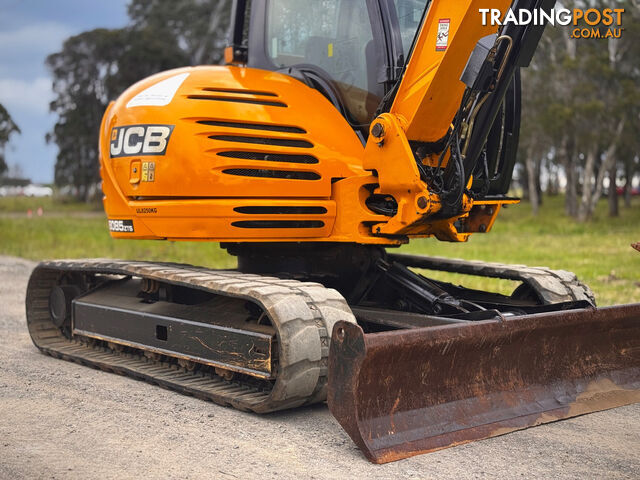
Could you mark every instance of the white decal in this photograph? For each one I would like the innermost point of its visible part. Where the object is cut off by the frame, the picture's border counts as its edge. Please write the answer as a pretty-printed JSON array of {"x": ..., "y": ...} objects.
[
  {"x": 160, "y": 94},
  {"x": 140, "y": 140},
  {"x": 442, "y": 41},
  {"x": 121, "y": 226}
]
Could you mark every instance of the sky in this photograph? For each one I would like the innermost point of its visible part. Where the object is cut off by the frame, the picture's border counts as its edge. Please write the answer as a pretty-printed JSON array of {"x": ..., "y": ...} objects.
[{"x": 29, "y": 31}]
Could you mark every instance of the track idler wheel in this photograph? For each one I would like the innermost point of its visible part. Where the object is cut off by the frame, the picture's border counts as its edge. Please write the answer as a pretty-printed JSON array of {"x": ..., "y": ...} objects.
[{"x": 60, "y": 305}]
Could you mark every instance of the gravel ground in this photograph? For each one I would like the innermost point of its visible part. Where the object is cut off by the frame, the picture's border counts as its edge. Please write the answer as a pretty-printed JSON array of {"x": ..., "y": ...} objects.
[{"x": 61, "y": 420}]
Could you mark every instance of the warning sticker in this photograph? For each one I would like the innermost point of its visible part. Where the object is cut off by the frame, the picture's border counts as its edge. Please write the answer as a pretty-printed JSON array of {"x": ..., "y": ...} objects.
[
  {"x": 148, "y": 172},
  {"x": 443, "y": 34}
]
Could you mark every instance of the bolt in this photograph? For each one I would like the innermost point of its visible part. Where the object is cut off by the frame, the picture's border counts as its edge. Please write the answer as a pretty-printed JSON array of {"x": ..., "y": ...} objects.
[
  {"x": 378, "y": 130},
  {"x": 422, "y": 203},
  {"x": 482, "y": 228}
]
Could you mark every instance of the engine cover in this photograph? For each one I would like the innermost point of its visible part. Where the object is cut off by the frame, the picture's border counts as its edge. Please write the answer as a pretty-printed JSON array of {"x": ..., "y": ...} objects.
[{"x": 231, "y": 153}]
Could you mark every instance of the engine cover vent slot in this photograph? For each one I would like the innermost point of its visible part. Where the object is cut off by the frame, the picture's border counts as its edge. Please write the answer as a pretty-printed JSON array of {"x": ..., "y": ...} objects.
[
  {"x": 253, "y": 101},
  {"x": 253, "y": 126},
  {"x": 280, "y": 142},
  {"x": 279, "y": 224},
  {"x": 240, "y": 92},
  {"x": 268, "y": 210},
  {"x": 267, "y": 173},
  {"x": 270, "y": 157}
]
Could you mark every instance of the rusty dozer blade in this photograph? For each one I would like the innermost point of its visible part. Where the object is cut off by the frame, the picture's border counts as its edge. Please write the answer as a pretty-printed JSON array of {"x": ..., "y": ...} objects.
[{"x": 406, "y": 392}]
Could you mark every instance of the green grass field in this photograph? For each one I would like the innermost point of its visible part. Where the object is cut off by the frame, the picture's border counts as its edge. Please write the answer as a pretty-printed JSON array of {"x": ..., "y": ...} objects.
[
  {"x": 598, "y": 252},
  {"x": 48, "y": 204}
]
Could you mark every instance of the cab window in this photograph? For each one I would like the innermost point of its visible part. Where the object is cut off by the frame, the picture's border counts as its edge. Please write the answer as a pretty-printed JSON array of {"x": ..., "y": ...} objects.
[
  {"x": 409, "y": 13},
  {"x": 335, "y": 36}
]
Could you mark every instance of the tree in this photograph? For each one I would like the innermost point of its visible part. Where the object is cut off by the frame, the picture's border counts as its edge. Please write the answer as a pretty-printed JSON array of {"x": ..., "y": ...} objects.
[
  {"x": 199, "y": 27},
  {"x": 547, "y": 113},
  {"x": 581, "y": 109},
  {"x": 7, "y": 128},
  {"x": 95, "y": 67}
]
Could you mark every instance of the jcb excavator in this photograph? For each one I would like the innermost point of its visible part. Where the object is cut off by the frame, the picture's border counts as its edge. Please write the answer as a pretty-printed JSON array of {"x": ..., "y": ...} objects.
[{"x": 337, "y": 130}]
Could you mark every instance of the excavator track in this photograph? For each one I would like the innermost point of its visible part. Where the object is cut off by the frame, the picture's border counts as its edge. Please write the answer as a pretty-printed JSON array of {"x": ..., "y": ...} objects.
[
  {"x": 551, "y": 286},
  {"x": 302, "y": 313}
]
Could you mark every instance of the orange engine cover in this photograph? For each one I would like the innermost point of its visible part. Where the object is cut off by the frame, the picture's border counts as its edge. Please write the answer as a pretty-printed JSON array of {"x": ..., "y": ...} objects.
[{"x": 232, "y": 154}]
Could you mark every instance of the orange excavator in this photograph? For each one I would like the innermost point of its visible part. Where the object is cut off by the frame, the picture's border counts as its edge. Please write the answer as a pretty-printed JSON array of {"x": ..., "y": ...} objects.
[{"x": 337, "y": 131}]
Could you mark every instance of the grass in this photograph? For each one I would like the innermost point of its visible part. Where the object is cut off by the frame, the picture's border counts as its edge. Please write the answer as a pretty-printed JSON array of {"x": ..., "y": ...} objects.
[
  {"x": 83, "y": 236},
  {"x": 48, "y": 204},
  {"x": 598, "y": 251}
]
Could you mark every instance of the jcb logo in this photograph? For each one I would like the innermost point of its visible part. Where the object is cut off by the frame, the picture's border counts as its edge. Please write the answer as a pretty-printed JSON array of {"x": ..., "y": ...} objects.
[{"x": 140, "y": 140}]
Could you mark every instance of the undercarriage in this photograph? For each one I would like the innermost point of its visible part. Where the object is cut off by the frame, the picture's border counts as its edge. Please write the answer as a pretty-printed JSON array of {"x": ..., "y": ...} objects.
[
  {"x": 258, "y": 339},
  {"x": 401, "y": 358}
]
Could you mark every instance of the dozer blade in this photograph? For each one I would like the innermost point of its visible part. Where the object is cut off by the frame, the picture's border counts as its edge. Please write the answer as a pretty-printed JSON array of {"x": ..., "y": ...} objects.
[{"x": 406, "y": 392}]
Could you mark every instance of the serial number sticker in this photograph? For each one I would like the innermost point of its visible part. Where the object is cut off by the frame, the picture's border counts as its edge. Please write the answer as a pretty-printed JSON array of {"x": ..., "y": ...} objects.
[
  {"x": 442, "y": 40},
  {"x": 146, "y": 210},
  {"x": 121, "y": 226}
]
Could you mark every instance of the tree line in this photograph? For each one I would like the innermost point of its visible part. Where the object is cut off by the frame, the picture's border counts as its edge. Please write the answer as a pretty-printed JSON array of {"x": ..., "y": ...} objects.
[
  {"x": 581, "y": 97},
  {"x": 581, "y": 114}
]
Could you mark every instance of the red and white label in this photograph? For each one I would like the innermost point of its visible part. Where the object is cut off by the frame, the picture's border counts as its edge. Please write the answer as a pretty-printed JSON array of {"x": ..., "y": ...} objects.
[{"x": 442, "y": 41}]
